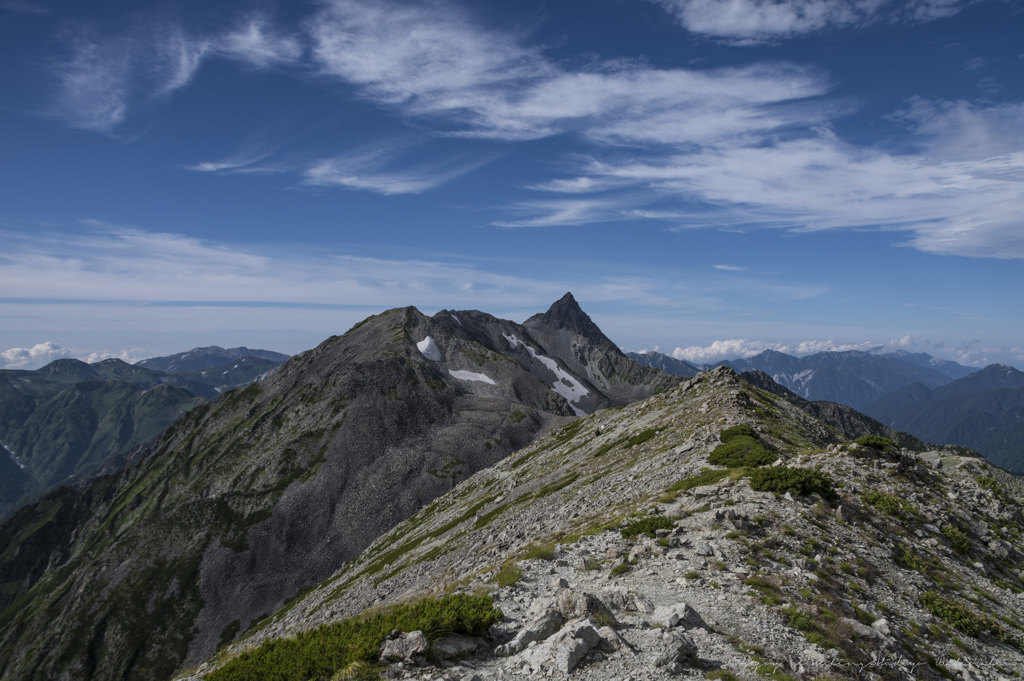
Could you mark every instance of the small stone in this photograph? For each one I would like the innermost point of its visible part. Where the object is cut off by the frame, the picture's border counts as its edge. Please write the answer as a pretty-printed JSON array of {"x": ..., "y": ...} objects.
[{"x": 881, "y": 625}]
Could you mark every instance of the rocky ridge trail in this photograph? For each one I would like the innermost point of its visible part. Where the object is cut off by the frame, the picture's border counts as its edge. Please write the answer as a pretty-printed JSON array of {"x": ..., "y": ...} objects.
[{"x": 615, "y": 551}]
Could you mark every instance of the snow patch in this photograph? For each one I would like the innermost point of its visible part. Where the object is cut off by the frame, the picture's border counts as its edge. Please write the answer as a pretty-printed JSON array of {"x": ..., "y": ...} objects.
[
  {"x": 428, "y": 348},
  {"x": 455, "y": 318},
  {"x": 565, "y": 383},
  {"x": 472, "y": 376},
  {"x": 13, "y": 457}
]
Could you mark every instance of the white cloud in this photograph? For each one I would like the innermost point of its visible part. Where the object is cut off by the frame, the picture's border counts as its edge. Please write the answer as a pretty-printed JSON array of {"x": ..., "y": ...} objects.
[
  {"x": 435, "y": 61},
  {"x": 729, "y": 268},
  {"x": 564, "y": 212},
  {"x": 741, "y": 348},
  {"x": 256, "y": 43},
  {"x": 42, "y": 354},
  {"x": 94, "y": 84},
  {"x": 949, "y": 195},
  {"x": 34, "y": 357},
  {"x": 719, "y": 350},
  {"x": 104, "y": 75},
  {"x": 374, "y": 169},
  {"x": 757, "y": 21},
  {"x": 245, "y": 161}
]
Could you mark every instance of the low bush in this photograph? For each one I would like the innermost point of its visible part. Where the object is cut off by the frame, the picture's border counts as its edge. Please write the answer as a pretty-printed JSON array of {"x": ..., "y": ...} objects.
[
  {"x": 891, "y": 504},
  {"x": 648, "y": 526},
  {"x": 740, "y": 448},
  {"x": 708, "y": 476},
  {"x": 742, "y": 430},
  {"x": 355, "y": 643},
  {"x": 876, "y": 442},
  {"x": 782, "y": 479},
  {"x": 957, "y": 538}
]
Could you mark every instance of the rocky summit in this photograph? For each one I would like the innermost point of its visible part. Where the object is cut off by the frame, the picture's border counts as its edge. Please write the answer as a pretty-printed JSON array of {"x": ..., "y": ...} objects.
[
  {"x": 715, "y": 530},
  {"x": 263, "y": 493}
]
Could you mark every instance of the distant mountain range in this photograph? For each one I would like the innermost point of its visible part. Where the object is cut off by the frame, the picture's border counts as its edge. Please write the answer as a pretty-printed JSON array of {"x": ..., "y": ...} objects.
[
  {"x": 983, "y": 411},
  {"x": 69, "y": 421},
  {"x": 935, "y": 400},
  {"x": 198, "y": 359},
  {"x": 670, "y": 365}
]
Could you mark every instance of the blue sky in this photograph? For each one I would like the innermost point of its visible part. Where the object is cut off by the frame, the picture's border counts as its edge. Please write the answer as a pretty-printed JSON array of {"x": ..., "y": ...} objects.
[{"x": 709, "y": 177}]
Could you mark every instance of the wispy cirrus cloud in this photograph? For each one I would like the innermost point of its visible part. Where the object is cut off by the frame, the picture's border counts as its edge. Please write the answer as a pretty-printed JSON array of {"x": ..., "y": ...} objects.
[
  {"x": 105, "y": 74},
  {"x": 759, "y": 21},
  {"x": 24, "y": 6},
  {"x": 434, "y": 60},
  {"x": 374, "y": 169},
  {"x": 960, "y": 192},
  {"x": 244, "y": 161}
]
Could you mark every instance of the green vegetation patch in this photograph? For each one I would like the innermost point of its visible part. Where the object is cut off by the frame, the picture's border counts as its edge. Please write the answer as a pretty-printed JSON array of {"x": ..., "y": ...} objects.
[
  {"x": 876, "y": 442},
  {"x": 795, "y": 480},
  {"x": 648, "y": 526},
  {"x": 891, "y": 504},
  {"x": 643, "y": 436},
  {"x": 957, "y": 538},
  {"x": 708, "y": 476},
  {"x": 740, "y": 448},
  {"x": 967, "y": 621},
  {"x": 507, "y": 575},
  {"x": 323, "y": 652}
]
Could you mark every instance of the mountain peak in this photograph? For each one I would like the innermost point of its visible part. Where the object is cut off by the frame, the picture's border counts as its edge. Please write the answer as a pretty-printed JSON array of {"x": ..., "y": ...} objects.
[{"x": 566, "y": 313}]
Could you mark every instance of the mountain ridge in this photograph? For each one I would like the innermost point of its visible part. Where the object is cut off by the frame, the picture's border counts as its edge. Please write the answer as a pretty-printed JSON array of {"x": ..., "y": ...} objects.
[
  {"x": 279, "y": 484},
  {"x": 858, "y": 571}
]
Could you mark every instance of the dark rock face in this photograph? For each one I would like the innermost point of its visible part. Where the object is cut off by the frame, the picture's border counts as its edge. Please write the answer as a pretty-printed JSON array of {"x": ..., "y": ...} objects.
[
  {"x": 567, "y": 332},
  {"x": 273, "y": 488}
]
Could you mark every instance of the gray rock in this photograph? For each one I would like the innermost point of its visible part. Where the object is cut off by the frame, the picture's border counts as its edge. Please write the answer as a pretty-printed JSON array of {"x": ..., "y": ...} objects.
[
  {"x": 679, "y": 615},
  {"x": 453, "y": 646},
  {"x": 539, "y": 629},
  {"x": 575, "y": 605},
  {"x": 399, "y": 646},
  {"x": 564, "y": 650},
  {"x": 612, "y": 642},
  {"x": 679, "y": 651},
  {"x": 704, "y": 549},
  {"x": 881, "y": 625}
]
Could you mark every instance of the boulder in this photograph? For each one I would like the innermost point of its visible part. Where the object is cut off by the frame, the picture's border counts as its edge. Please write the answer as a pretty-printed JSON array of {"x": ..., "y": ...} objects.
[
  {"x": 400, "y": 646},
  {"x": 679, "y": 615},
  {"x": 453, "y": 647},
  {"x": 612, "y": 642},
  {"x": 677, "y": 653},
  {"x": 567, "y": 648},
  {"x": 575, "y": 605},
  {"x": 537, "y": 630}
]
